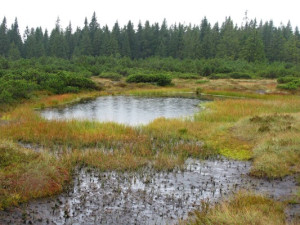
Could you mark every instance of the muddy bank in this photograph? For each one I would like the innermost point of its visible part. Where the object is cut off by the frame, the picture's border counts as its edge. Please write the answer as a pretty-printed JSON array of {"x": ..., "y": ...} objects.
[{"x": 144, "y": 197}]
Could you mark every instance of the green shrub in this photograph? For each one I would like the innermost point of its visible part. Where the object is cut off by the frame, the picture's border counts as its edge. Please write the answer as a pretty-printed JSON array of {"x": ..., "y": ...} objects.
[
  {"x": 111, "y": 76},
  {"x": 219, "y": 76},
  {"x": 11, "y": 90},
  {"x": 283, "y": 80},
  {"x": 238, "y": 75},
  {"x": 159, "y": 79},
  {"x": 95, "y": 70},
  {"x": 293, "y": 85},
  {"x": 206, "y": 70},
  {"x": 275, "y": 71},
  {"x": 187, "y": 76}
]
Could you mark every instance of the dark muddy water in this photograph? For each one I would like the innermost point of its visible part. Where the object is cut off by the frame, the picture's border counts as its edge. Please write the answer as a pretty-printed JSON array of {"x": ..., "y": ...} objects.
[
  {"x": 144, "y": 197},
  {"x": 126, "y": 109}
]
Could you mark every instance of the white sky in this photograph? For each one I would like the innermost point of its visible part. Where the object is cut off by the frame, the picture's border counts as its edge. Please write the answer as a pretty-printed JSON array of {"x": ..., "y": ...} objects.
[{"x": 34, "y": 13}]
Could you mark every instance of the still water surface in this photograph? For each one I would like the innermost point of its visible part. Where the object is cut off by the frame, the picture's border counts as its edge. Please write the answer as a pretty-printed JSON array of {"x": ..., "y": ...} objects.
[{"x": 126, "y": 109}]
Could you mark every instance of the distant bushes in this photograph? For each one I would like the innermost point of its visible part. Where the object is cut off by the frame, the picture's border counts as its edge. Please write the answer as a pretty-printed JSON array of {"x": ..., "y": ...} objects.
[
  {"x": 15, "y": 85},
  {"x": 219, "y": 76},
  {"x": 187, "y": 76},
  {"x": 111, "y": 75},
  {"x": 62, "y": 76},
  {"x": 159, "y": 79},
  {"x": 288, "y": 83},
  {"x": 64, "y": 82},
  {"x": 237, "y": 75},
  {"x": 11, "y": 90}
]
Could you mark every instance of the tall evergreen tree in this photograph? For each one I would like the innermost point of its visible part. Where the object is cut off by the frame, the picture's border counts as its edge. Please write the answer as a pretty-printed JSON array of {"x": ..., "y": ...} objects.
[
  {"x": 57, "y": 43},
  {"x": 4, "y": 41},
  {"x": 131, "y": 39},
  {"x": 14, "y": 36},
  {"x": 277, "y": 46},
  {"x": 125, "y": 45},
  {"x": 229, "y": 40},
  {"x": 164, "y": 37},
  {"x": 191, "y": 44},
  {"x": 253, "y": 50},
  {"x": 205, "y": 39},
  {"x": 175, "y": 48},
  {"x": 69, "y": 41},
  {"x": 94, "y": 27},
  {"x": 46, "y": 43},
  {"x": 267, "y": 32},
  {"x": 215, "y": 39},
  {"x": 146, "y": 43},
  {"x": 14, "y": 52},
  {"x": 116, "y": 35},
  {"x": 292, "y": 50}
]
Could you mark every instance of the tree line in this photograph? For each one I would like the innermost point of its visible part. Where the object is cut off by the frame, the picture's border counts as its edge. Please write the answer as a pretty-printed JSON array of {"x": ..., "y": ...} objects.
[{"x": 251, "y": 41}]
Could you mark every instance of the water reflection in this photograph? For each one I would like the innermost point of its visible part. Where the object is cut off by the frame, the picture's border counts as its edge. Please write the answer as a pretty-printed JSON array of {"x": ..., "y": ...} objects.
[{"x": 126, "y": 109}]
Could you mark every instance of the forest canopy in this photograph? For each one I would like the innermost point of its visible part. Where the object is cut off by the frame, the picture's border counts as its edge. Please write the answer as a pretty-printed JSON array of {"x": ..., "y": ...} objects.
[{"x": 253, "y": 41}]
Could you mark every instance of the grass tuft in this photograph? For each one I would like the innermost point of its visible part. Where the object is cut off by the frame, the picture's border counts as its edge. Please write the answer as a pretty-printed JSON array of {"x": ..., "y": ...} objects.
[{"x": 243, "y": 208}]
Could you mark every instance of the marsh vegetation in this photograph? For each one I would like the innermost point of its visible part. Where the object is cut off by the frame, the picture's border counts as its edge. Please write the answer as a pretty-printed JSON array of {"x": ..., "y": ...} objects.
[
  {"x": 241, "y": 124},
  {"x": 235, "y": 160}
]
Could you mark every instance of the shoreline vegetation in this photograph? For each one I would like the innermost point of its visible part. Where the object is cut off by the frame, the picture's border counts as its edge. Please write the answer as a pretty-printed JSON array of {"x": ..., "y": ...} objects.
[{"x": 263, "y": 128}]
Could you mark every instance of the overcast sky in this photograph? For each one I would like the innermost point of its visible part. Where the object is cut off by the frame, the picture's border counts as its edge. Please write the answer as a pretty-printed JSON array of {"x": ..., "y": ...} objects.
[{"x": 34, "y": 13}]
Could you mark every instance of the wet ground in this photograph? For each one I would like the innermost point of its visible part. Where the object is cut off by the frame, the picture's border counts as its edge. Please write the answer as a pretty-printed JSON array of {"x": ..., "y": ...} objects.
[{"x": 144, "y": 197}]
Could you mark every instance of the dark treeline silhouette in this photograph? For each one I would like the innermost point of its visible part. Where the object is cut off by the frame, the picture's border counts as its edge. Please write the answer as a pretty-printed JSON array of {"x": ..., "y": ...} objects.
[{"x": 252, "y": 41}]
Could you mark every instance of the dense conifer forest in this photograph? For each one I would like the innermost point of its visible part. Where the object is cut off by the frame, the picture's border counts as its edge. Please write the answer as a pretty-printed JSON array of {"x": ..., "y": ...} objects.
[
  {"x": 252, "y": 41},
  {"x": 63, "y": 60}
]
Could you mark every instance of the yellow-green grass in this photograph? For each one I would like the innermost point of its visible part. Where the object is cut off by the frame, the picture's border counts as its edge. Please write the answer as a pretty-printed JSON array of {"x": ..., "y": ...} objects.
[
  {"x": 160, "y": 92},
  {"x": 64, "y": 99},
  {"x": 242, "y": 209},
  {"x": 226, "y": 127}
]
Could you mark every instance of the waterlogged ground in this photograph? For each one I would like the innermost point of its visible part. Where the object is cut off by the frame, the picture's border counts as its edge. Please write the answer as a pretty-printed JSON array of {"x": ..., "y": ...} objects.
[
  {"x": 144, "y": 197},
  {"x": 126, "y": 109}
]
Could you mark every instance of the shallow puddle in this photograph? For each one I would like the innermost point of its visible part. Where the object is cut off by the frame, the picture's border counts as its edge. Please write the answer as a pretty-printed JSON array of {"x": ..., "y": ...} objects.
[{"x": 144, "y": 197}]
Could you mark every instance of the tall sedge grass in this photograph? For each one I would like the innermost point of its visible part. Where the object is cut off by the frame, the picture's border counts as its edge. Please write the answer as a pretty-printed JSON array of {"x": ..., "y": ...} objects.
[{"x": 244, "y": 208}]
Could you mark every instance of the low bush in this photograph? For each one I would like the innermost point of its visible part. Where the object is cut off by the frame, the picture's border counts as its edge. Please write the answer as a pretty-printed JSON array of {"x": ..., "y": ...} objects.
[
  {"x": 159, "y": 79},
  {"x": 20, "y": 84},
  {"x": 219, "y": 76},
  {"x": 11, "y": 90},
  {"x": 283, "y": 80},
  {"x": 237, "y": 75},
  {"x": 289, "y": 86},
  {"x": 111, "y": 76},
  {"x": 187, "y": 76},
  {"x": 288, "y": 83}
]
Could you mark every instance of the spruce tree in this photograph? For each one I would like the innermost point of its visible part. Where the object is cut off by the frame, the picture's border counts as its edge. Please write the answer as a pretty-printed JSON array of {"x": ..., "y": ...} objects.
[
  {"x": 229, "y": 40},
  {"x": 116, "y": 35},
  {"x": 4, "y": 42},
  {"x": 14, "y": 53},
  {"x": 14, "y": 36},
  {"x": 253, "y": 50},
  {"x": 164, "y": 37},
  {"x": 57, "y": 42}
]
